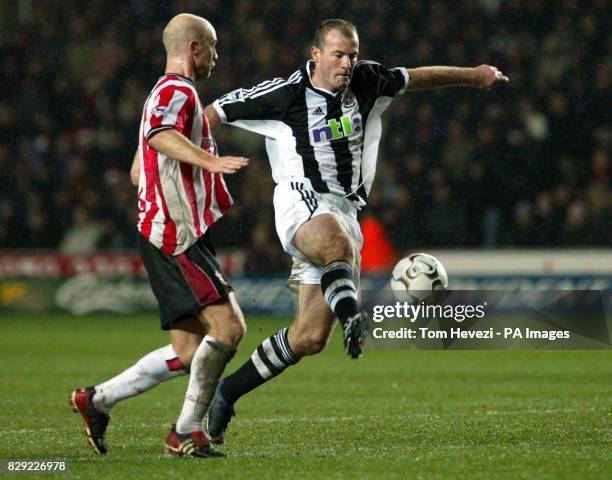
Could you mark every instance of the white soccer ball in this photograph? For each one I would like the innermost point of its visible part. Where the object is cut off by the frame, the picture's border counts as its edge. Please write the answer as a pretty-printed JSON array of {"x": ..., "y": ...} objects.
[{"x": 417, "y": 276}]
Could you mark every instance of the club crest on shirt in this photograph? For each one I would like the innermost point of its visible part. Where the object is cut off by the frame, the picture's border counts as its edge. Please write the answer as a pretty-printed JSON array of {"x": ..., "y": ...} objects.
[{"x": 349, "y": 100}]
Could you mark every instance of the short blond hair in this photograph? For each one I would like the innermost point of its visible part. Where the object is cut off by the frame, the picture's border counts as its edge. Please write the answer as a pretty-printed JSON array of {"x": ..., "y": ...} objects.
[{"x": 345, "y": 28}]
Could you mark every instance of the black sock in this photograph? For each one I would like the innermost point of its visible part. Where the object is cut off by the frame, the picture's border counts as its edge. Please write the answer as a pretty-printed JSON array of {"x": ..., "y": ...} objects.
[
  {"x": 269, "y": 359},
  {"x": 339, "y": 289}
]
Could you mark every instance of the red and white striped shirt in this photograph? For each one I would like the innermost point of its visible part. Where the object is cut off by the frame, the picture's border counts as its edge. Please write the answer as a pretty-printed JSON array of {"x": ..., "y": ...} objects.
[{"x": 177, "y": 202}]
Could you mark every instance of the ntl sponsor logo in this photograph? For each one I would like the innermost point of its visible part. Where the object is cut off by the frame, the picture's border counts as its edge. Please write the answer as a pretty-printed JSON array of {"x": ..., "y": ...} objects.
[{"x": 336, "y": 129}]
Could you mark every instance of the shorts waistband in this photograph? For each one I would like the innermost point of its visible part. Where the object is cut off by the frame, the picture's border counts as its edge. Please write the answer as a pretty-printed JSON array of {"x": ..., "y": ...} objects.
[{"x": 343, "y": 203}]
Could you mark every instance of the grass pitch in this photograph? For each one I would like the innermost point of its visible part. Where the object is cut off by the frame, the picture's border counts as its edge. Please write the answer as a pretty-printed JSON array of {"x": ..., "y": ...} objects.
[{"x": 393, "y": 414}]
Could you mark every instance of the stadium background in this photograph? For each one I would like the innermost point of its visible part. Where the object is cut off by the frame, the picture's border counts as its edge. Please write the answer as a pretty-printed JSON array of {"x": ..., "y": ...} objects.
[
  {"x": 524, "y": 166},
  {"x": 511, "y": 189}
]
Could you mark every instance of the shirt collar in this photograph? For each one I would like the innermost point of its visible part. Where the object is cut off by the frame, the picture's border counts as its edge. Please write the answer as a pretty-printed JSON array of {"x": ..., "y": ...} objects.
[{"x": 178, "y": 75}]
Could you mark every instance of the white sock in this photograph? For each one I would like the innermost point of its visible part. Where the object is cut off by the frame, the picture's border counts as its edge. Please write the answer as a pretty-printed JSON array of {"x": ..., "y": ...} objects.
[
  {"x": 151, "y": 370},
  {"x": 207, "y": 365}
]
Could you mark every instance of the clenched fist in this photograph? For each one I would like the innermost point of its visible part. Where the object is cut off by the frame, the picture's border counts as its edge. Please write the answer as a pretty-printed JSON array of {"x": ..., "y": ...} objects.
[{"x": 486, "y": 76}]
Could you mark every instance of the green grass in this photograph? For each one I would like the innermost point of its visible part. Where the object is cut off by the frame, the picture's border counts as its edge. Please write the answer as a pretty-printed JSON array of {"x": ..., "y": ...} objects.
[{"x": 393, "y": 414}]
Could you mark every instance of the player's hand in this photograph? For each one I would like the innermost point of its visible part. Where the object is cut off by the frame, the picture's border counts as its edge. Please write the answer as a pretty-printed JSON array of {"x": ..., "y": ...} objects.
[
  {"x": 225, "y": 164},
  {"x": 486, "y": 76}
]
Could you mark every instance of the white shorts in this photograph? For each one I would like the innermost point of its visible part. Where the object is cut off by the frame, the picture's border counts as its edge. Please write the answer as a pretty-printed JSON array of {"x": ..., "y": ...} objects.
[{"x": 294, "y": 204}]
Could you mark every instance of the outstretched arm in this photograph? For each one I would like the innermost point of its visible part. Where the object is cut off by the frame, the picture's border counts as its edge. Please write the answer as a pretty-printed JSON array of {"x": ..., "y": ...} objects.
[
  {"x": 483, "y": 76},
  {"x": 175, "y": 145}
]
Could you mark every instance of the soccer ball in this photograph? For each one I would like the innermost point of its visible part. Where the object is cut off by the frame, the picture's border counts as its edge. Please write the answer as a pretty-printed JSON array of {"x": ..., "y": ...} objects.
[{"x": 417, "y": 276}]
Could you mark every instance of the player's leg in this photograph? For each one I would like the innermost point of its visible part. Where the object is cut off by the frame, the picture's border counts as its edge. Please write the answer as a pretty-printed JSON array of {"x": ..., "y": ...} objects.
[
  {"x": 185, "y": 337},
  {"x": 154, "y": 368},
  {"x": 308, "y": 335},
  {"x": 182, "y": 284},
  {"x": 205, "y": 290},
  {"x": 165, "y": 363},
  {"x": 323, "y": 230},
  {"x": 326, "y": 243},
  {"x": 176, "y": 301},
  {"x": 225, "y": 327}
]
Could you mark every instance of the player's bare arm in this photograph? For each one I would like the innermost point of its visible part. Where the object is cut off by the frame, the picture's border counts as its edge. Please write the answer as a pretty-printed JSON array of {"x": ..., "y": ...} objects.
[
  {"x": 213, "y": 118},
  {"x": 177, "y": 146},
  {"x": 135, "y": 169},
  {"x": 483, "y": 76}
]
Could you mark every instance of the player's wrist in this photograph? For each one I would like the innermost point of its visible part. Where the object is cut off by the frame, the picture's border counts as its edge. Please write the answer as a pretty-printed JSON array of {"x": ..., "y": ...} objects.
[
  {"x": 472, "y": 77},
  {"x": 206, "y": 159}
]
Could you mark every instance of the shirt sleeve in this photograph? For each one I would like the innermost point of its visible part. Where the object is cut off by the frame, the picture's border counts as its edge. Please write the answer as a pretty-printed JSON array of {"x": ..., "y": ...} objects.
[
  {"x": 388, "y": 82},
  {"x": 267, "y": 101},
  {"x": 172, "y": 107}
]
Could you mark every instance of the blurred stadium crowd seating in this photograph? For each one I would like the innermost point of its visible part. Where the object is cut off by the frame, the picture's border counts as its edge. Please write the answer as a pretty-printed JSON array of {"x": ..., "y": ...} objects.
[{"x": 526, "y": 165}]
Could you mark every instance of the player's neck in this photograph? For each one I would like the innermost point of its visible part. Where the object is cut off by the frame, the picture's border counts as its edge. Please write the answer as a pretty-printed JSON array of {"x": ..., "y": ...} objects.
[
  {"x": 181, "y": 67},
  {"x": 316, "y": 81}
]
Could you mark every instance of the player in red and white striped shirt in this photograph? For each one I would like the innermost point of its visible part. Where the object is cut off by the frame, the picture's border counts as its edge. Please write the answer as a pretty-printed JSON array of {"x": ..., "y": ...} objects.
[
  {"x": 181, "y": 193},
  {"x": 178, "y": 201}
]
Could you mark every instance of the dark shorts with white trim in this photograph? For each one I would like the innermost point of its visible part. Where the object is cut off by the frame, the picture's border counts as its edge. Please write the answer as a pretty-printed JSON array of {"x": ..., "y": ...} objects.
[{"x": 186, "y": 283}]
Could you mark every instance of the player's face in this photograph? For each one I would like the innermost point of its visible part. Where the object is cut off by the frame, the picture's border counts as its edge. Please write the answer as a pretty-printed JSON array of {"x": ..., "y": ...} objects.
[
  {"x": 335, "y": 60},
  {"x": 205, "y": 57}
]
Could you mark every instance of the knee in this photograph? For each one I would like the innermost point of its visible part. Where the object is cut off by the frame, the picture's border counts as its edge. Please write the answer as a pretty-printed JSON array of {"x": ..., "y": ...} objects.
[
  {"x": 233, "y": 329},
  {"x": 236, "y": 328},
  {"x": 339, "y": 247}
]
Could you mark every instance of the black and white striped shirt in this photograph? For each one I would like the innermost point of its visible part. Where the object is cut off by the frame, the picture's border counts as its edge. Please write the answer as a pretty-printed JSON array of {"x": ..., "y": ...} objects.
[{"x": 329, "y": 139}]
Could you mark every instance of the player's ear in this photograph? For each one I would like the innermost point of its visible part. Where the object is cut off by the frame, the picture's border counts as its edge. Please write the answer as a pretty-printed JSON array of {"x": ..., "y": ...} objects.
[
  {"x": 315, "y": 53},
  {"x": 194, "y": 47}
]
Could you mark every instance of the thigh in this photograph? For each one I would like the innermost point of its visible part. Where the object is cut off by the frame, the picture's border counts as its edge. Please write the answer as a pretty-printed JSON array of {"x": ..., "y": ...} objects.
[
  {"x": 305, "y": 272},
  {"x": 324, "y": 237},
  {"x": 295, "y": 204}
]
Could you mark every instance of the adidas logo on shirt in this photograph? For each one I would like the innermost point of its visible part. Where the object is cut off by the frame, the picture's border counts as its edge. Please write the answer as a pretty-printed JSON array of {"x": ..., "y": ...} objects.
[{"x": 318, "y": 111}]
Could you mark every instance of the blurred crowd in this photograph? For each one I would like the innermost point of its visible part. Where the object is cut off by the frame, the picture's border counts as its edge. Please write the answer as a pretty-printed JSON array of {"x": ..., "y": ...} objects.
[{"x": 527, "y": 165}]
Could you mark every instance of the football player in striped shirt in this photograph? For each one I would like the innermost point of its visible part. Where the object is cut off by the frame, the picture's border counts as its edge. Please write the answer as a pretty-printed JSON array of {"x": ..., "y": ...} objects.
[
  {"x": 322, "y": 126},
  {"x": 181, "y": 194}
]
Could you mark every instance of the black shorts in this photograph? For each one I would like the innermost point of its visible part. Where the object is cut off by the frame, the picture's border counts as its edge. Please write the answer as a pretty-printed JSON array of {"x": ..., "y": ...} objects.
[{"x": 183, "y": 284}]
